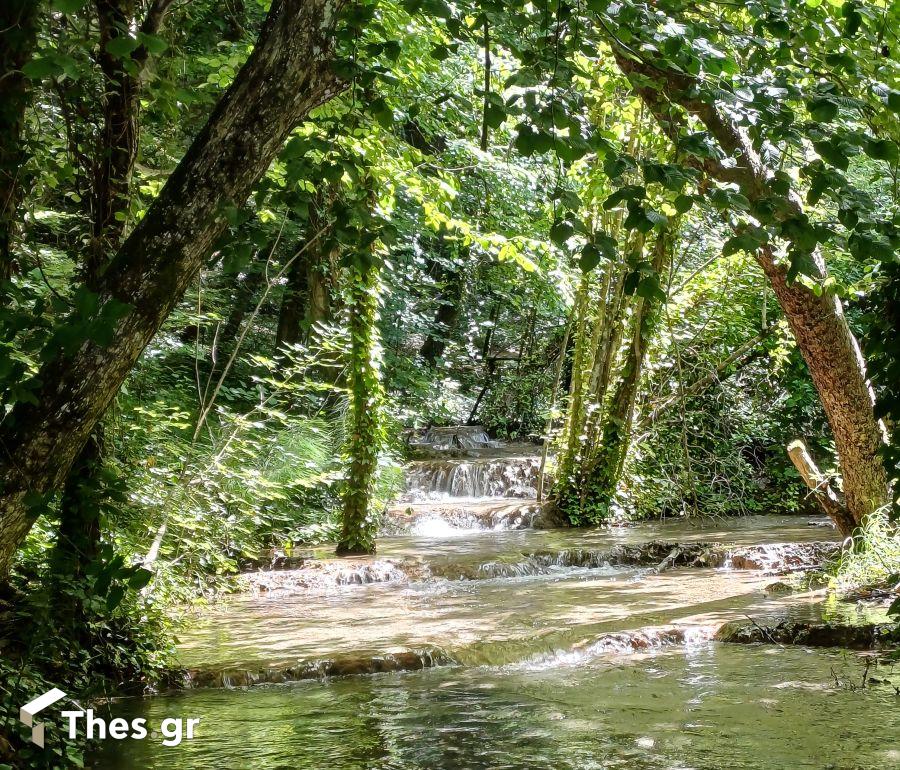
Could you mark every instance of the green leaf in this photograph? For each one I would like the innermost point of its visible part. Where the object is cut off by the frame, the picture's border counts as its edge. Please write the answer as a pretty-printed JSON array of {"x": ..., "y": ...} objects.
[
  {"x": 40, "y": 68},
  {"x": 616, "y": 165},
  {"x": 882, "y": 149},
  {"x": 561, "y": 232},
  {"x": 628, "y": 193},
  {"x": 852, "y": 18},
  {"x": 140, "y": 578},
  {"x": 893, "y": 101},
  {"x": 494, "y": 116},
  {"x": 832, "y": 152},
  {"x": 648, "y": 288},
  {"x": 121, "y": 47},
  {"x": 822, "y": 110},
  {"x": 683, "y": 203},
  {"x": 591, "y": 256},
  {"x": 801, "y": 263},
  {"x": 748, "y": 240},
  {"x": 114, "y": 598},
  {"x": 154, "y": 44},
  {"x": 526, "y": 140},
  {"x": 440, "y": 52}
]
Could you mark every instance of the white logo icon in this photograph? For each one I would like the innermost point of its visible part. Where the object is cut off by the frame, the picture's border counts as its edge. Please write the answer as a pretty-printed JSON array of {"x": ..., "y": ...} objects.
[{"x": 27, "y": 712}]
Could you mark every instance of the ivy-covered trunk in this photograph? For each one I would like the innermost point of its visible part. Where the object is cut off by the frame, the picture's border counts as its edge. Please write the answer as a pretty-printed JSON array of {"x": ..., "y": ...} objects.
[
  {"x": 365, "y": 432},
  {"x": 288, "y": 74},
  {"x": 817, "y": 320},
  {"x": 605, "y": 470},
  {"x": 18, "y": 36}
]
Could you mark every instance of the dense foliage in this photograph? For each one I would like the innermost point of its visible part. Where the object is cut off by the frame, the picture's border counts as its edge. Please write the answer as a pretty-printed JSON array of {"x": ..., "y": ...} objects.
[{"x": 572, "y": 223}]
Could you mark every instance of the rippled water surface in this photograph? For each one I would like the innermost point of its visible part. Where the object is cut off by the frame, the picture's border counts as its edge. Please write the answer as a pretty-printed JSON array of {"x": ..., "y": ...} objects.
[
  {"x": 550, "y": 651},
  {"x": 711, "y": 707}
]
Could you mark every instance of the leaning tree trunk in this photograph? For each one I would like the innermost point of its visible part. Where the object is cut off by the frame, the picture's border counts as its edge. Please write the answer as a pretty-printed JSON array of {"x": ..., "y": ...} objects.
[
  {"x": 838, "y": 371},
  {"x": 820, "y": 328},
  {"x": 286, "y": 76},
  {"x": 18, "y": 36}
]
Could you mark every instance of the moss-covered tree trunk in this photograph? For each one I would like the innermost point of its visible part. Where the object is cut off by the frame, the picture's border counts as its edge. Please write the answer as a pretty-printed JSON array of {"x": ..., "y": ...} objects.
[
  {"x": 288, "y": 74},
  {"x": 566, "y": 488},
  {"x": 605, "y": 470},
  {"x": 18, "y": 36},
  {"x": 365, "y": 433}
]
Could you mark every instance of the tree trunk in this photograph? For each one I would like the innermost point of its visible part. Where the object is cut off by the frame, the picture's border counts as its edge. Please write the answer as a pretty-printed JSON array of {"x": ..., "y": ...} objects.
[
  {"x": 820, "y": 487},
  {"x": 447, "y": 314},
  {"x": 606, "y": 468},
  {"x": 18, "y": 36},
  {"x": 78, "y": 540},
  {"x": 286, "y": 76},
  {"x": 307, "y": 298},
  {"x": 364, "y": 430},
  {"x": 838, "y": 371},
  {"x": 118, "y": 142},
  {"x": 293, "y": 303},
  {"x": 818, "y": 323}
]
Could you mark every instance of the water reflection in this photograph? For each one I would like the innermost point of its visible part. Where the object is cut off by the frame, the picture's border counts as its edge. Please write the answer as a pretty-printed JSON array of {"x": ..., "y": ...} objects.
[{"x": 715, "y": 707}]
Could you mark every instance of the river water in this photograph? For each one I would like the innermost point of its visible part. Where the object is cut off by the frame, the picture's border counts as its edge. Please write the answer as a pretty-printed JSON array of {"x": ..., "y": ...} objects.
[{"x": 504, "y": 646}]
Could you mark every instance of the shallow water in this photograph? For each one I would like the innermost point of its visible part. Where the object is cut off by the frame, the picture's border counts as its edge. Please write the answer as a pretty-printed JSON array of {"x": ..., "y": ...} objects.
[
  {"x": 550, "y": 653},
  {"x": 495, "y": 620},
  {"x": 711, "y": 707}
]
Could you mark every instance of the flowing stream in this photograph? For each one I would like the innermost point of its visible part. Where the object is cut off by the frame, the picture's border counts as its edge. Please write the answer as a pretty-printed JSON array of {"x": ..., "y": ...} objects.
[{"x": 475, "y": 639}]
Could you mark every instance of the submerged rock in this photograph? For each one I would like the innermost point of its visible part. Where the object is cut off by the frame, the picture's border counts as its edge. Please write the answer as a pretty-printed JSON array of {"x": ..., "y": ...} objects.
[
  {"x": 850, "y": 637},
  {"x": 324, "y": 574},
  {"x": 317, "y": 575},
  {"x": 780, "y": 558},
  {"x": 344, "y": 665},
  {"x": 778, "y": 588}
]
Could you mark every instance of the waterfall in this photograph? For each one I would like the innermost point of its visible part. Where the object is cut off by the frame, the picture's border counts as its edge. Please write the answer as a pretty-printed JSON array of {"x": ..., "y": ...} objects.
[
  {"x": 476, "y": 478},
  {"x": 454, "y": 437}
]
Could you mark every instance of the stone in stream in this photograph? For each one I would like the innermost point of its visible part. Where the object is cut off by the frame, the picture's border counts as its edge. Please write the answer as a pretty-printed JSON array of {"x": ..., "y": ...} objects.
[
  {"x": 778, "y": 558},
  {"x": 344, "y": 665},
  {"x": 327, "y": 574},
  {"x": 867, "y": 636},
  {"x": 779, "y": 588}
]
